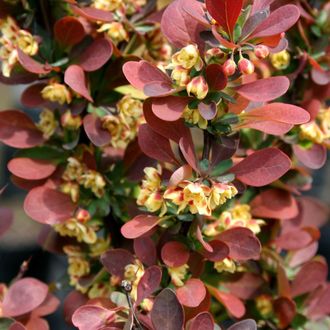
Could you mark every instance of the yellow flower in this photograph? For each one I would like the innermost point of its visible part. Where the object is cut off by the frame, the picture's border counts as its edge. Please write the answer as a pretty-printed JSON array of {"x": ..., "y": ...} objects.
[
  {"x": 133, "y": 274},
  {"x": 188, "y": 57},
  {"x": 100, "y": 246},
  {"x": 132, "y": 6},
  {"x": 70, "y": 121},
  {"x": 100, "y": 290},
  {"x": 323, "y": 117},
  {"x": 195, "y": 196},
  {"x": 56, "y": 92},
  {"x": 198, "y": 87},
  {"x": 192, "y": 116},
  {"x": 178, "y": 274},
  {"x": 8, "y": 28},
  {"x": 94, "y": 181},
  {"x": 226, "y": 265},
  {"x": 281, "y": 60},
  {"x": 47, "y": 123},
  {"x": 311, "y": 131},
  {"x": 27, "y": 43},
  {"x": 72, "y": 189},
  {"x": 107, "y": 5},
  {"x": 181, "y": 76},
  {"x": 220, "y": 193},
  {"x": 73, "y": 228},
  {"x": 130, "y": 107},
  {"x": 264, "y": 305},
  {"x": 74, "y": 170},
  {"x": 115, "y": 30},
  {"x": 78, "y": 266}
]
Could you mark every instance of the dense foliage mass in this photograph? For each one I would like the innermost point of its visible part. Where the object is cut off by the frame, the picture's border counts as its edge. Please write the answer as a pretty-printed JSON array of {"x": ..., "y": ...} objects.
[{"x": 168, "y": 160}]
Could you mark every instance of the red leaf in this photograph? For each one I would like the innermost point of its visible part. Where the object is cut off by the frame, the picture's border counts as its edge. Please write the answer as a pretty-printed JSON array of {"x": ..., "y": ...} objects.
[
  {"x": 29, "y": 64},
  {"x": 310, "y": 276},
  {"x": 244, "y": 325},
  {"x": 225, "y": 12},
  {"x": 274, "y": 204},
  {"x": 188, "y": 152},
  {"x": 115, "y": 261},
  {"x": 72, "y": 301},
  {"x": 75, "y": 78},
  {"x": 252, "y": 23},
  {"x": 220, "y": 251},
  {"x": 318, "y": 305},
  {"x": 192, "y": 293},
  {"x": 158, "y": 88},
  {"x": 17, "y": 326},
  {"x": 314, "y": 212},
  {"x": 303, "y": 255},
  {"x": 69, "y": 31},
  {"x": 155, "y": 145},
  {"x": 175, "y": 254},
  {"x": 139, "y": 226},
  {"x": 280, "y": 20},
  {"x": 215, "y": 77},
  {"x": 203, "y": 321},
  {"x": 283, "y": 286},
  {"x": 141, "y": 73},
  {"x": 207, "y": 111},
  {"x": 92, "y": 317},
  {"x": 96, "y": 55},
  {"x": 267, "y": 126},
  {"x": 145, "y": 250},
  {"x": 201, "y": 240},
  {"x": 31, "y": 97},
  {"x": 48, "y": 306},
  {"x": 242, "y": 243},
  {"x": 48, "y": 206},
  {"x": 262, "y": 167},
  {"x": 148, "y": 283},
  {"x": 18, "y": 130},
  {"x": 6, "y": 219},
  {"x": 233, "y": 305},
  {"x": 294, "y": 240},
  {"x": 93, "y": 14},
  {"x": 182, "y": 173},
  {"x": 169, "y": 108},
  {"x": 24, "y": 296},
  {"x": 31, "y": 169},
  {"x": 259, "y": 5},
  {"x": 264, "y": 90},
  {"x": 285, "y": 309},
  {"x": 314, "y": 157},
  {"x": 94, "y": 130},
  {"x": 167, "y": 312}
]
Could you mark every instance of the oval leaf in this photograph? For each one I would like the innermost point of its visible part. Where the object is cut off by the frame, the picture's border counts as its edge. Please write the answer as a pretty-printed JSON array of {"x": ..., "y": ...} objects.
[
  {"x": 148, "y": 283},
  {"x": 220, "y": 251},
  {"x": 115, "y": 261},
  {"x": 175, "y": 254},
  {"x": 145, "y": 250},
  {"x": 93, "y": 14},
  {"x": 94, "y": 130},
  {"x": 314, "y": 157},
  {"x": 68, "y": 31},
  {"x": 203, "y": 321},
  {"x": 139, "y": 226},
  {"x": 169, "y": 108},
  {"x": 244, "y": 325},
  {"x": 30, "y": 65},
  {"x": 192, "y": 293}
]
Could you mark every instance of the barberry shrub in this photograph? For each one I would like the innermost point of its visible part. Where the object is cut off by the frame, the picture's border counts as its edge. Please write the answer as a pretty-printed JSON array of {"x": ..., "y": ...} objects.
[{"x": 173, "y": 145}]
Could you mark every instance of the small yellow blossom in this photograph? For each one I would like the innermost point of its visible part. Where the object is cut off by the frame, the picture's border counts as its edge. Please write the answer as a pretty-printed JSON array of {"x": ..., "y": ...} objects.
[
  {"x": 56, "y": 92},
  {"x": 107, "y": 5},
  {"x": 192, "y": 116},
  {"x": 220, "y": 193},
  {"x": 180, "y": 76},
  {"x": 116, "y": 31},
  {"x": 99, "y": 247},
  {"x": 264, "y": 305},
  {"x": 99, "y": 290},
  {"x": 226, "y": 265},
  {"x": 188, "y": 57},
  {"x": 78, "y": 267},
  {"x": 74, "y": 228},
  {"x": 72, "y": 189},
  {"x": 94, "y": 181},
  {"x": 130, "y": 107},
  {"x": 133, "y": 274},
  {"x": 74, "y": 170},
  {"x": 281, "y": 60},
  {"x": 178, "y": 274},
  {"x": 27, "y": 43},
  {"x": 311, "y": 131},
  {"x": 70, "y": 121},
  {"x": 47, "y": 123},
  {"x": 198, "y": 87}
]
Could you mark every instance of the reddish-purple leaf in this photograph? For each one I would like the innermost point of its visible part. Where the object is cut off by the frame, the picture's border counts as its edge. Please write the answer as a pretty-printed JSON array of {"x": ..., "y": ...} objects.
[
  {"x": 31, "y": 169},
  {"x": 141, "y": 73},
  {"x": 303, "y": 255},
  {"x": 285, "y": 310},
  {"x": 244, "y": 325},
  {"x": 203, "y": 321},
  {"x": 267, "y": 126},
  {"x": 48, "y": 306},
  {"x": 115, "y": 261},
  {"x": 314, "y": 212},
  {"x": 314, "y": 157},
  {"x": 252, "y": 23},
  {"x": 262, "y": 167},
  {"x": 207, "y": 111},
  {"x": 320, "y": 77},
  {"x": 17, "y": 326},
  {"x": 242, "y": 243},
  {"x": 182, "y": 173},
  {"x": 48, "y": 206},
  {"x": 155, "y": 145},
  {"x": 215, "y": 77},
  {"x": 75, "y": 78},
  {"x": 283, "y": 285},
  {"x": 179, "y": 27},
  {"x": 148, "y": 283},
  {"x": 188, "y": 152},
  {"x": 158, "y": 88},
  {"x": 294, "y": 240},
  {"x": 192, "y": 293},
  {"x": 167, "y": 312},
  {"x": 280, "y": 20},
  {"x": 31, "y": 97},
  {"x": 233, "y": 305},
  {"x": 71, "y": 303},
  {"x": 6, "y": 220},
  {"x": 220, "y": 251},
  {"x": 139, "y": 225},
  {"x": 94, "y": 130},
  {"x": 225, "y": 12},
  {"x": 318, "y": 305},
  {"x": 92, "y": 317},
  {"x": 24, "y": 296},
  {"x": 264, "y": 90},
  {"x": 310, "y": 276},
  {"x": 169, "y": 108},
  {"x": 260, "y": 5},
  {"x": 69, "y": 31},
  {"x": 93, "y": 14},
  {"x": 30, "y": 65},
  {"x": 145, "y": 250},
  {"x": 274, "y": 204},
  {"x": 18, "y": 130},
  {"x": 96, "y": 55},
  {"x": 175, "y": 254},
  {"x": 200, "y": 238}
]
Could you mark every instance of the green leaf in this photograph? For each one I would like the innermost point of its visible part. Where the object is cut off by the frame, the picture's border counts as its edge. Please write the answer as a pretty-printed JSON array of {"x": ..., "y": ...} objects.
[
  {"x": 226, "y": 178},
  {"x": 5, "y": 323},
  {"x": 204, "y": 165},
  {"x": 44, "y": 153},
  {"x": 222, "y": 167}
]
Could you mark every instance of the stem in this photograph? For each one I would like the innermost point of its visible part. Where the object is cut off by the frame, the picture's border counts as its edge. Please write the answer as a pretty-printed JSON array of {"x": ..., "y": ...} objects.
[{"x": 207, "y": 145}]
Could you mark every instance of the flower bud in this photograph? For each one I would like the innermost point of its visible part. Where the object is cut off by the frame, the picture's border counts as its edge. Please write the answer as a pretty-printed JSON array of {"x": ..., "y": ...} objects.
[
  {"x": 83, "y": 215},
  {"x": 261, "y": 51},
  {"x": 229, "y": 67},
  {"x": 245, "y": 66},
  {"x": 198, "y": 87},
  {"x": 181, "y": 76},
  {"x": 56, "y": 92},
  {"x": 213, "y": 52}
]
